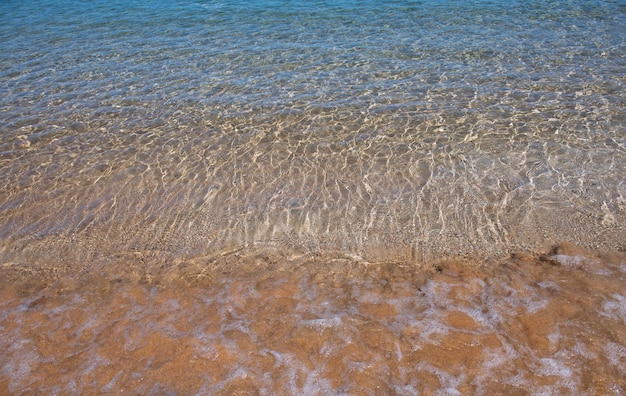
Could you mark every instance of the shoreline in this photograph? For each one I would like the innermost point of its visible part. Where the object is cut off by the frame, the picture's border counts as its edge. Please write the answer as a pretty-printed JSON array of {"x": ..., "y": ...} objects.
[
  {"x": 159, "y": 268},
  {"x": 532, "y": 323}
]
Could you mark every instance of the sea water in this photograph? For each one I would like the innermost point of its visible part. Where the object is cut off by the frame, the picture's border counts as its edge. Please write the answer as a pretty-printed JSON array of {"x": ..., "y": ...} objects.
[{"x": 410, "y": 197}]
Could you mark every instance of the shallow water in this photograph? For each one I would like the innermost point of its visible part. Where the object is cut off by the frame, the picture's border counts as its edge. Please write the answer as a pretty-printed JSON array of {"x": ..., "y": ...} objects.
[
  {"x": 388, "y": 131},
  {"x": 312, "y": 197}
]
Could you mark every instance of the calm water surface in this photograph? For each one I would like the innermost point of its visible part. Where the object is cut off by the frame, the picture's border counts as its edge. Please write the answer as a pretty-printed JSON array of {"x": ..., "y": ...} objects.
[{"x": 159, "y": 142}]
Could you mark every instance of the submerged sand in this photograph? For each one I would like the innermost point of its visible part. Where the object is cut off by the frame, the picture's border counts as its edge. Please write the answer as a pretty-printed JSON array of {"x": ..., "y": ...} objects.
[{"x": 260, "y": 322}]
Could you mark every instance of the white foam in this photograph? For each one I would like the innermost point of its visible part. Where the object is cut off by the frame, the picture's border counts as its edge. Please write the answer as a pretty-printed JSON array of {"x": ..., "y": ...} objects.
[
  {"x": 527, "y": 298},
  {"x": 554, "y": 337},
  {"x": 436, "y": 292},
  {"x": 569, "y": 261},
  {"x": 239, "y": 373},
  {"x": 429, "y": 327},
  {"x": 172, "y": 305},
  {"x": 406, "y": 390},
  {"x": 616, "y": 354},
  {"x": 399, "y": 355},
  {"x": 550, "y": 366},
  {"x": 449, "y": 392},
  {"x": 314, "y": 385},
  {"x": 616, "y": 308},
  {"x": 580, "y": 261},
  {"x": 109, "y": 387},
  {"x": 334, "y": 321},
  {"x": 550, "y": 285},
  {"x": 581, "y": 350},
  {"x": 476, "y": 314},
  {"x": 493, "y": 358},
  {"x": 308, "y": 289},
  {"x": 20, "y": 363},
  {"x": 370, "y": 297},
  {"x": 449, "y": 382},
  {"x": 89, "y": 323}
]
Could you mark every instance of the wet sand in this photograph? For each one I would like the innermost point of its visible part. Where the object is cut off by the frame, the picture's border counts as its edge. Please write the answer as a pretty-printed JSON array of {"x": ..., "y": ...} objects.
[{"x": 262, "y": 322}]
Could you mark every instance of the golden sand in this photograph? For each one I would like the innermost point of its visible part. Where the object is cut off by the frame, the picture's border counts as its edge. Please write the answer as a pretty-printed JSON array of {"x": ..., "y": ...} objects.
[{"x": 263, "y": 323}]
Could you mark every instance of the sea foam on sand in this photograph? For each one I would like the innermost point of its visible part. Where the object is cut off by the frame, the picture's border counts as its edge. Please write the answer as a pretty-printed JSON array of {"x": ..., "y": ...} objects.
[{"x": 264, "y": 323}]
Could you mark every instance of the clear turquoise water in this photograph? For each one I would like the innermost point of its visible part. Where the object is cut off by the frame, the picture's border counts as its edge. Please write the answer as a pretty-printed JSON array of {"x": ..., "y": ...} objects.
[{"x": 402, "y": 129}]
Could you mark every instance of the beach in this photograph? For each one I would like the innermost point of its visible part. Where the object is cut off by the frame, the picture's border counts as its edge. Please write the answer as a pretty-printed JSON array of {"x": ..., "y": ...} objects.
[
  {"x": 267, "y": 324},
  {"x": 221, "y": 197}
]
